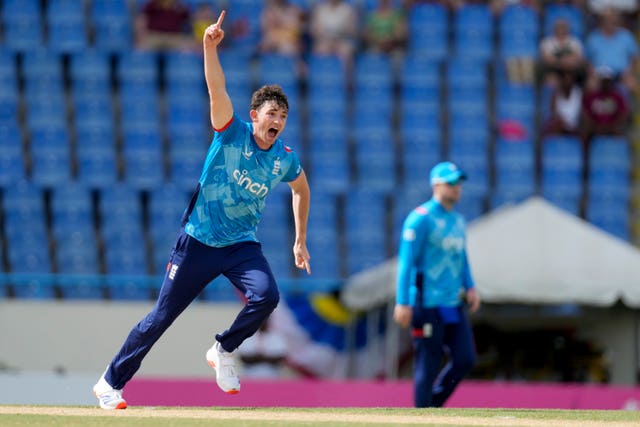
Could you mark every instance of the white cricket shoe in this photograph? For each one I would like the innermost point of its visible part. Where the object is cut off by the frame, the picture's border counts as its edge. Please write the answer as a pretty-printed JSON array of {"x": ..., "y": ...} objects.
[
  {"x": 108, "y": 397},
  {"x": 224, "y": 364}
]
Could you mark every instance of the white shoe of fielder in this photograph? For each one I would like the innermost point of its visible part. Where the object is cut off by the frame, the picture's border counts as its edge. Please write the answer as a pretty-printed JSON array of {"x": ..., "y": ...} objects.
[
  {"x": 224, "y": 364},
  {"x": 108, "y": 397}
]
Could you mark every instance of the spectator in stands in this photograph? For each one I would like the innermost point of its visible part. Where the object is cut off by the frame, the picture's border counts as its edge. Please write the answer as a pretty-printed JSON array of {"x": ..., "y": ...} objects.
[
  {"x": 605, "y": 109},
  {"x": 566, "y": 106},
  {"x": 561, "y": 53},
  {"x": 245, "y": 161},
  {"x": 334, "y": 29},
  {"x": 203, "y": 15},
  {"x": 615, "y": 47},
  {"x": 282, "y": 26},
  {"x": 164, "y": 25},
  {"x": 385, "y": 29}
]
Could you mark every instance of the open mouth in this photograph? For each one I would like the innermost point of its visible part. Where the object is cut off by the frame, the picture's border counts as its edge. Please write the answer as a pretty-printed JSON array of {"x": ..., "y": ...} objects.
[{"x": 272, "y": 132}]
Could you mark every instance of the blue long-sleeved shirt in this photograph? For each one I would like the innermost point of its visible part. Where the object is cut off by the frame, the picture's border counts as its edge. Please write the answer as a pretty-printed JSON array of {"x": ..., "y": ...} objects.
[{"x": 433, "y": 243}]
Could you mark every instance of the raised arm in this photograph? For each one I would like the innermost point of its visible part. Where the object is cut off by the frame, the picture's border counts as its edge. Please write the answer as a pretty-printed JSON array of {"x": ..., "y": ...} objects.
[
  {"x": 221, "y": 109},
  {"x": 301, "y": 196}
]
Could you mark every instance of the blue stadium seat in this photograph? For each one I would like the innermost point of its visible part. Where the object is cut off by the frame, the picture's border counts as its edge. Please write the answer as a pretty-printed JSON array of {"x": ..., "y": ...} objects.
[
  {"x": 610, "y": 212},
  {"x": 138, "y": 67},
  {"x": 183, "y": 71},
  {"x": 518, "y": 32},
  {"x": 609, "y": 166},
  {"x": 90, "y": 73},
  {"x": 50, "y": 156},
  {"x": 27, "y": 241},
  {"x": 373, "y": 70},
  {"x": 471, "y": 157},
  {"x": 467, "y": 87},
  {"x": 139, "y": 107},
  {"x": 324, "y": 243},
  {"x": 280, "y": 69},
  {"x": 96, "y": 157},
  {"x": 71, "y": 206},
  {"x": 120, "y": 209},
  {"x": 329, "y": 158},
  {"x": 143, "y": 167},
  {"x": 240, "y": 88},
  {"x": 66, "y": 26},
  {"x": 275, "y": 232},
  {"x": 468, "y": 126},
  {"x": 22, "y": 25},
  {"x": 325, "y": 72},
  {"x": 375, "y": 158},
  {"x": 126, "y": 263},
  {"x": 429, "y": 40},
  {"x": 166, "y": 204},
  {"x": 420, "y": 151},
  {"x": 8, "y": 87},
  {"x": 366, "y": 243},
  {"x": 568, "y": 12},
  {"x": 42, "y": 64},
  {"x": 562, "y": 170},
  {"x": 372, "y": 109},
  {"x": 12, "y": 164},
  {"x": 517, "y": 99},
  {"x": 112, "y": 25},
  {"x": 515, "y": 167},
  {"x": 473, "y": 32},
  {"x": 185, "y": 165},
  {"x": 466, "y": 73},
  {"x": 420, "y": 83}
]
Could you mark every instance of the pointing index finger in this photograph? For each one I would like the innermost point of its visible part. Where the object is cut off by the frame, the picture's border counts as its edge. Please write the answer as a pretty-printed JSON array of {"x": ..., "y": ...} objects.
[{"x": 221, "y": 18}]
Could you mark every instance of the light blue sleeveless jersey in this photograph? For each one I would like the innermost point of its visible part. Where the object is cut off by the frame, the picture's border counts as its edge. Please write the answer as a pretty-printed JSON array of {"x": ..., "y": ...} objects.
[
  {"x": 236, "y": 178},
  {"x": 433, "y": 243}
]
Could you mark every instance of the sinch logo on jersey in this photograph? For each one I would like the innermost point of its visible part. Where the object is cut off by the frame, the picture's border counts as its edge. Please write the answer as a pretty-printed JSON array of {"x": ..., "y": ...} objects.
[{"x": 244, "y": 180}]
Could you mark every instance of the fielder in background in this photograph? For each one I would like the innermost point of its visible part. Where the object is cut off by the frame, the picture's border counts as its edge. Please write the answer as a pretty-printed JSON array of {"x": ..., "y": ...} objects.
[
  {"x": 433, "y": 281},
  {"x": 245, "y": 161}
]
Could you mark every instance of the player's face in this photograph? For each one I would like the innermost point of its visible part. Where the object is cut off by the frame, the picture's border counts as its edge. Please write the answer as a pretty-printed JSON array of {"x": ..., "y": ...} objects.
[
  {"x": 268, "y": 122},
  {"x": 448, "y": 194}
]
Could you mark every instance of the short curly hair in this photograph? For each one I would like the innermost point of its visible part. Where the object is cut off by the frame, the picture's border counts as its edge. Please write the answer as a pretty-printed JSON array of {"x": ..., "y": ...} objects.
[{"x": 269, "y": 93}]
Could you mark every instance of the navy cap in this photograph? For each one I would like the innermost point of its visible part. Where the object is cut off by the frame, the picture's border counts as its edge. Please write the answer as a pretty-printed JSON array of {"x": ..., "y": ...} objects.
[{"x": 446, "y": 173}]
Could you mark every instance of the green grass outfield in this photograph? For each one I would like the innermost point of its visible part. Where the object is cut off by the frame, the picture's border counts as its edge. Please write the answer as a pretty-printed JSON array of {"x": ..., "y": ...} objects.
[{"x": 13, "y": 415}]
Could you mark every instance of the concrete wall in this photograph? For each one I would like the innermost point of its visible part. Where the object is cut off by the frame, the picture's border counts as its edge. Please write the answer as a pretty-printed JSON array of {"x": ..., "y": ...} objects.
[{"x": 84, "y": 336}]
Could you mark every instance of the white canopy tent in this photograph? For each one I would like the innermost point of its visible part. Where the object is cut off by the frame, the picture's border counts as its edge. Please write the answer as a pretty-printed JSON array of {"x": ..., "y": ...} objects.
[{"x": 530, "y": 253}]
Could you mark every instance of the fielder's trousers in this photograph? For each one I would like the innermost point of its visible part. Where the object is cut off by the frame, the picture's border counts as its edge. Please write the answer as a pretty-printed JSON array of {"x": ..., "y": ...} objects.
[{"x": 192, "y": 265}]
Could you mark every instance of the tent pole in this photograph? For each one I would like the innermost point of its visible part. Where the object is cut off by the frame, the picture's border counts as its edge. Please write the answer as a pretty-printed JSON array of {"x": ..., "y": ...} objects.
[{"x": 636, "y": 344}]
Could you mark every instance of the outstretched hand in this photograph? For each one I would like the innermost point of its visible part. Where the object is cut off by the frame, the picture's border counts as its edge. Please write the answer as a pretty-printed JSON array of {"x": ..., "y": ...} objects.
[
  {"x": 214, "y": 33},
  {"x": 301, "y": 255}
]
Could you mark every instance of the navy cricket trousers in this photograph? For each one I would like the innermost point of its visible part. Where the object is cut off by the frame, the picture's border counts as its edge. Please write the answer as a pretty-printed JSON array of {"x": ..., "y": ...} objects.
[
  {"x": 192, "y": 265},
  {"x": 433, "y": 338}
]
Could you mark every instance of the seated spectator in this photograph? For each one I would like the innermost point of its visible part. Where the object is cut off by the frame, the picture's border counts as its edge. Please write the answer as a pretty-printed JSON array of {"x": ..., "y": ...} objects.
[
  {"x": 334, "y": 29},
  {"x": 566, "y": 107},
  {"x": 605, "y": 110},
  {"x": 561, "y": 53},
  {"x": 610, "y": 45},
  {"x": 203, "y": 16},
  {"x": 164, "y": 25},
  {"x": 281, "y": 24},
  {"x": 385, "y": 29}
]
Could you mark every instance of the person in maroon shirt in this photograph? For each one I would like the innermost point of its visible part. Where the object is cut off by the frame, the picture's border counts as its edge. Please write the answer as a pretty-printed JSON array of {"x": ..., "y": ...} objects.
[
  {"x": 605, "y": 110},
  {"x": 164, "y": 25}
]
